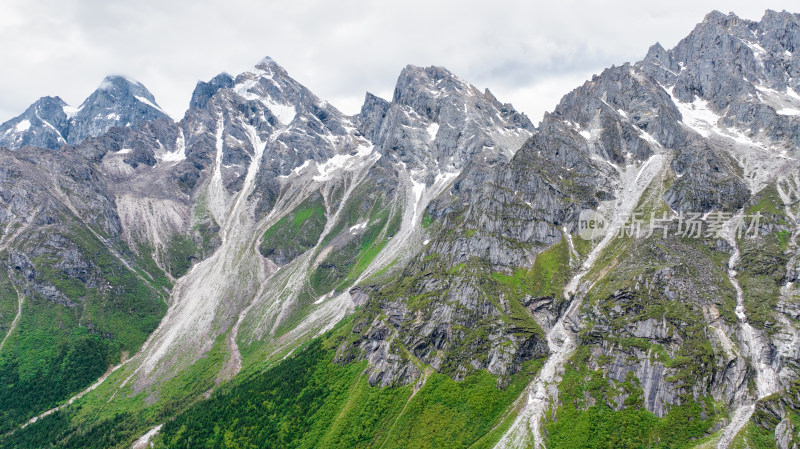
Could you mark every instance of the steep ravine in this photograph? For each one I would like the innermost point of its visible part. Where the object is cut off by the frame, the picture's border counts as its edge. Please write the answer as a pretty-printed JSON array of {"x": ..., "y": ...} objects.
[
  {"x": 229, "y": 275},
  {"x": 274, "y": 302},
  {"x": 562, "y": 337},
  {"x": 753, "y": 345}
]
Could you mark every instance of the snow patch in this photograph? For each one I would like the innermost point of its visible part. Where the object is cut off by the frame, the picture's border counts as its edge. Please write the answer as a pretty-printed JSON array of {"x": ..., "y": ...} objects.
[
  {"x": 698, "y": 116},
  {"x": 445, "y": 177},
  {"x": 417, "y": 188},
  {"x": 433, "y": 128},
  {"x": 358, "y": 227},
  {"x": 788, "y": 111},
  {"x": 180, "y": 151},
  {"x": 648, "y": 137},
  {"x": 760, "y": 162},
  {"x": 243, "y": 89},
  {"x": 71, "y": 111},
  {"x": 53, "y": 128},
  {"x": 338, "y": 162},
  {"x": 784, "y": 103},
  {"x": 148, "y": 102},
  {"x": 758, "y": 51},
  {"x": 23, "y": 126},
  {"x": 298, "y": 170},
  {"x": 284, "y": 112}
]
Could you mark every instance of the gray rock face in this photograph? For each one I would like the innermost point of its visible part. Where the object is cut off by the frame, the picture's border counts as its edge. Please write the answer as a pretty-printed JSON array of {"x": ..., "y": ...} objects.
[
  {"x": 42, "y": 125},
  {"x": 438, "y": 125},
  {"x": 499, "y": 219},
  {"x": 784, "y": 435},
  {"x": 51, "y": 123},
  {"x": 267, "y": 104},
  {"x": 118, "y": 101},
  {"x": 437, "y": 119},
  {"x": 776, "y": 413},
  {"x": 62, "y": 248},
  {"x": 204, "y": 91},
  {"x": 49, "y": 200},
  {"x": 747, "y": 71}
]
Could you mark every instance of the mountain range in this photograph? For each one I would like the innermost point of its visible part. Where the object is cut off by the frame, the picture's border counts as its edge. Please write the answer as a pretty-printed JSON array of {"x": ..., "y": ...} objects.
[{"x": 271, "y": 272}]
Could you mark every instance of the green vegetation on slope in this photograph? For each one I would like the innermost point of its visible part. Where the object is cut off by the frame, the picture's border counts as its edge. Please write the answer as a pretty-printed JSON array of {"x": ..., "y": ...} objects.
[
  {"x": 546, "y": 278},
  {"x": 585, "y": 419},
  {"x": 60, "y": 349},
  {"x": 295, "y": 233},
  {"x": 763, "y": 262},
  {"x": 182, "y": 251},
  {"x": 8, "y": 304},
  {"x": 347, "y": 260},
  {"x": 760, "y": 432},
  {"x": 307, "y": 401},
  {"x": 646, "y": 314},
  {"x": 95, "y": 423}
]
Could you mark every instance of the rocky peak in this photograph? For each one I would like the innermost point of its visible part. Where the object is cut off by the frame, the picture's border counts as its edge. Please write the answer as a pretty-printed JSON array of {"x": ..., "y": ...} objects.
[
  {"x": 420, "y": 87},
  {"x": 718, "y": 18},
  {"x": 270, "y": 67},
  {"x": 437, "y": 122},
  {"x": 780, "y": 32},
  {"x": 270, "y": 85},
  {"x": 372, "y": 114},
  {"x": 204, "y": 91},
  {"x": 262, "y": 116},
  {"x": 117, "y": 101},
  {"x": 40, "y": 125},
  {"x": 740, "y": 71},
  {"x": 121, "y": 88},
  {"x": 48, "y": 107},
  {"x": 656, "y": 52},
  {"x": 620, "y": 115},
  {"x": 50, "y": 122}
]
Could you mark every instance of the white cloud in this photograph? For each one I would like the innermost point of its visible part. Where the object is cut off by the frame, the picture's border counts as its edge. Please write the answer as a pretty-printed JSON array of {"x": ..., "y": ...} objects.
[{"x": 528, "y": 53}]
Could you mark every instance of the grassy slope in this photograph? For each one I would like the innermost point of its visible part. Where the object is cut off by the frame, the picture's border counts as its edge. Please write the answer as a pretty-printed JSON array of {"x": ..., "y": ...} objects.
[
  {"x": 763, "y": 260},
  {"x": 60, "y": 350},
  {"x": 307, "y": 401},
  {"x": 587, "y": 414},
  {"x": 296, "y": 232}
]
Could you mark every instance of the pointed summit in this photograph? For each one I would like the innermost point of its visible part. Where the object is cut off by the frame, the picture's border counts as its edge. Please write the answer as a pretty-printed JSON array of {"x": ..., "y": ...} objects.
[
  {"x": 51, "y": 123},
  {"x": 41, "y": 125},
  {"x": 714, "y": 16},
  {"x": 205, "y": 90},
  {"x": 268, "y": 67},
  {"x": 122, "y": 89},
  {"x": 414, "y": 81},
  {"x": 267, "y": 61},
  {"x": 656, "y": 51},
  {"x": 117, "y": 101},
  {"x": 123, "y": 84}
]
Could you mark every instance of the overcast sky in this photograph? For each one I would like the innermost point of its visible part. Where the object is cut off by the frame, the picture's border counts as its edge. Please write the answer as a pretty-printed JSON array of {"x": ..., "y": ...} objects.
[{"x": 528, "y": 53}]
